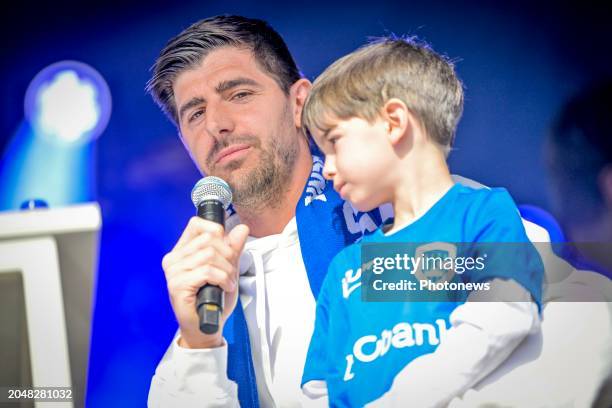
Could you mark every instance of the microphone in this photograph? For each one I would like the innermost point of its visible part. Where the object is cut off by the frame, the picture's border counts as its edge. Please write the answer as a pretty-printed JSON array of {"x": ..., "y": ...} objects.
[{"x": 211, "y": 196}]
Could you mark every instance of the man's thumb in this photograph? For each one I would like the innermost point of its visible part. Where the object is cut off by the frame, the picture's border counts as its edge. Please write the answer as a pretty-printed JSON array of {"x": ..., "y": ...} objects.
[{"x": 237, "y": 237}]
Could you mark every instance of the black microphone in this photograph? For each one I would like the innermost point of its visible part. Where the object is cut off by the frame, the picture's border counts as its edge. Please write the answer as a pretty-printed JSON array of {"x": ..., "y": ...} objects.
[{"x": 211, "y": 196}]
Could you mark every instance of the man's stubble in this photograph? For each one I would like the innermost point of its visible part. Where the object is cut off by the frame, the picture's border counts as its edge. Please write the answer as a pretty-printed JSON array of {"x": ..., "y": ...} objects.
[{"x": 267, "y": 182}]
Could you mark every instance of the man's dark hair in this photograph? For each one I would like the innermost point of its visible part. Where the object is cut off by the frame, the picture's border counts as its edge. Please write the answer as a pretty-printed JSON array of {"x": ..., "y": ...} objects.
[
  {"x": 579, "y": 148},
  {"x": 190, "y": 47}
]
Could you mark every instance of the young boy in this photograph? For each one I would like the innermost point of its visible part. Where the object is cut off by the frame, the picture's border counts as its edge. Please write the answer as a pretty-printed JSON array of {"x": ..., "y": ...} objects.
[{"x": 385, "y": 117}]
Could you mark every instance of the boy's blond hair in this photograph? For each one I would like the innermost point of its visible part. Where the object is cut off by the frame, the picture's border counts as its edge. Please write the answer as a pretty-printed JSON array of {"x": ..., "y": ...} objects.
[{"x": 360, "y": 83}]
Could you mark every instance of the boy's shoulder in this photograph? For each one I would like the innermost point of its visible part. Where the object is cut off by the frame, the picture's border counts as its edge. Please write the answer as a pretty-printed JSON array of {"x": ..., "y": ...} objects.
[
  {"x": 490, "y": 214},
  {"x": 348, "y": 257},
  {"x": 482, "y": 193},
  {"x": 485, "y": 200},
  {"x": 343, "y": 273}
]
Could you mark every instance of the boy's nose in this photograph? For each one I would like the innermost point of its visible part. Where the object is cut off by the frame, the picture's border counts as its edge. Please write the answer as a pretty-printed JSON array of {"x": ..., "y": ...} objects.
[{"x": 329, "y": 169}]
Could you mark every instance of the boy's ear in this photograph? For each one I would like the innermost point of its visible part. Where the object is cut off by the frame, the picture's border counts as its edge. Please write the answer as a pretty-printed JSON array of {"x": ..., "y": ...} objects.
[
  {"x": 299, "y": 92},
  {"x": 398, "y": 118}
]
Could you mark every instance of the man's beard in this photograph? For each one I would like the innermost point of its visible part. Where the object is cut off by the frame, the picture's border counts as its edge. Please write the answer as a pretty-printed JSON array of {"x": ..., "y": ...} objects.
[{"x": 265, "y": 184}]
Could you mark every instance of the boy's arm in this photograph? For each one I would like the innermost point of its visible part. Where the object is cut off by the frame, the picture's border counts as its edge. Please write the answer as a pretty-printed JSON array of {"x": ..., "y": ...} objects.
[
  {"x": 317, "y": 366},
  {"x": 192, "y": 377},
  {"x": 314, "y": 387},
  {"x": 482, "y": 336}
]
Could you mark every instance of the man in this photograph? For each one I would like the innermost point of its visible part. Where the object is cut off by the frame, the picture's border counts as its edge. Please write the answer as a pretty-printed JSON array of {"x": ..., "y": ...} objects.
[{"x": 234, "y": 92}]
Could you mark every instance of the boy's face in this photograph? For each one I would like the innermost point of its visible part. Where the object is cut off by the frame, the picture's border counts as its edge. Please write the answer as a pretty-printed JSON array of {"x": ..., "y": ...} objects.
[{"x": 358, "y": 155}]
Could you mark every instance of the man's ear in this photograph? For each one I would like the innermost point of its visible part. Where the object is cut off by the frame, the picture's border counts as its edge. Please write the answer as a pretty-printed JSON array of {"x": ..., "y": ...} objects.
[
  {"x": 299, "y": 92},
  {"x": 398, "y": 118}
]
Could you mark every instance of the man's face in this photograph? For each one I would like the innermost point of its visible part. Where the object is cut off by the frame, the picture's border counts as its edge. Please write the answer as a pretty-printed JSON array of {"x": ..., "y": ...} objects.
[{"x": 236, "y": 122}]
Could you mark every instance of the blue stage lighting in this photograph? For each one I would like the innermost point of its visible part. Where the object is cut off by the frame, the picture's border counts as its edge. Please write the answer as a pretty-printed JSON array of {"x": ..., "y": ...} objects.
[
  {"x": 68, "y": 101},
  {"x": 67, "y": 105}
]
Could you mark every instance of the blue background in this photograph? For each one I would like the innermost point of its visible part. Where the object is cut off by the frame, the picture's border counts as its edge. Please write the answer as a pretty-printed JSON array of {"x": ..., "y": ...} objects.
[{"x": 519, "y": 63}]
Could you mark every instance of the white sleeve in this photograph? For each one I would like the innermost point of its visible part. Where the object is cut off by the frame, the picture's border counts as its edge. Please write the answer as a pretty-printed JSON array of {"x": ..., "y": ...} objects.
[
  {"x": 482, "y": 336},
  {"x": 315, "y": 394},
  {"x": 192, "y": 378}
]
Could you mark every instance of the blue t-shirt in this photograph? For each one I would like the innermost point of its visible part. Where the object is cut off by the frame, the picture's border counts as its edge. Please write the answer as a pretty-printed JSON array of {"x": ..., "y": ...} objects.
[{"x": 359, "y": 347}]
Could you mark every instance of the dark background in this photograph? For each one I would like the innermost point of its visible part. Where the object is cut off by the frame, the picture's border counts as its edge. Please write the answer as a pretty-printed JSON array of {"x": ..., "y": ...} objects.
[{"x": 519, "y": 63}]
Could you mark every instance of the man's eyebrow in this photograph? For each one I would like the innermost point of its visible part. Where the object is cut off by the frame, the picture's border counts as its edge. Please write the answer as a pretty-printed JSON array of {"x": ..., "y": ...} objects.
[
  {"x": 232, "y": 83},
  {"x": 192, "y": 103}
]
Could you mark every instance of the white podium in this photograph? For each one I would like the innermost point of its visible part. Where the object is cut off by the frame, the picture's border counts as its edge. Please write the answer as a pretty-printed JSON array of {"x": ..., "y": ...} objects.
[{"x": 47, "y": 262}]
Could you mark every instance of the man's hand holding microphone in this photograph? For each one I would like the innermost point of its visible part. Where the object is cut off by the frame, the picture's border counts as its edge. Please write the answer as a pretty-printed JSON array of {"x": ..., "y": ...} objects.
[{"x": 202, "y": 268}]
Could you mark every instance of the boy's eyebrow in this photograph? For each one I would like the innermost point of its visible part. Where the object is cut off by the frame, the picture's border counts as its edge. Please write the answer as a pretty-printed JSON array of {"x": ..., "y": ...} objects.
[
  {"x": 232, "y": 83},
  {"x": 327, "y": 131}
]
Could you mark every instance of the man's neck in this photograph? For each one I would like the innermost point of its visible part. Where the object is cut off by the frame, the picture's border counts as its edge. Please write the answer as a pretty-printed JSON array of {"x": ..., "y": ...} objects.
[{"x": 273, "y": 218}]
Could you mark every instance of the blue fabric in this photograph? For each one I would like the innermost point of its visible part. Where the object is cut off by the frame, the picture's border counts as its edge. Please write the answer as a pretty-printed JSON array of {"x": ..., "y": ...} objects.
[
  {"x": 325, "y": 224},
  {"x": 240, "y": 365},
  {"x": 545, "y": 220},
  {"x": 358, "y": 347}
]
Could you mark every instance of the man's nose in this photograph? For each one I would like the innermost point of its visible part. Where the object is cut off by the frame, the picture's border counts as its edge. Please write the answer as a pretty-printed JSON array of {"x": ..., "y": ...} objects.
[
  {"x": 219, "y": 121},
  {"x": 329, "y": 168}
]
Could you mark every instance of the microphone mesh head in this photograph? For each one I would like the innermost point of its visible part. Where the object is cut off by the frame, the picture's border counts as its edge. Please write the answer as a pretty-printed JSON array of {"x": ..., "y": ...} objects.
[{"x": 211, "y": 188}]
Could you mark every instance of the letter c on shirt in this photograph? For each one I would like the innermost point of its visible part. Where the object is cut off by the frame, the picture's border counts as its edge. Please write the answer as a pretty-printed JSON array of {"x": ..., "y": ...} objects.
[{"x": 358, "y": 349}]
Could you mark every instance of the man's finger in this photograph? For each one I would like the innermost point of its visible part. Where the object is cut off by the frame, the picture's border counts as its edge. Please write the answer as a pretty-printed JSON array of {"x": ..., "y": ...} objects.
[
  {"x": 201, "y": 242},
  {"x": 197, "y": 226},
  {"x": 237, "y": 237},
  {"x": 206, "y": 256}
]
